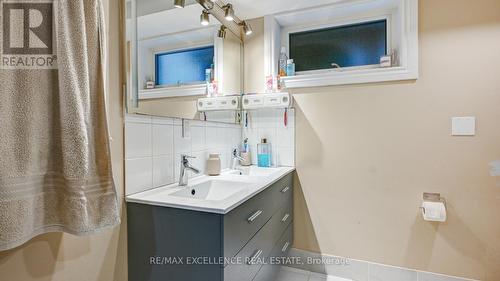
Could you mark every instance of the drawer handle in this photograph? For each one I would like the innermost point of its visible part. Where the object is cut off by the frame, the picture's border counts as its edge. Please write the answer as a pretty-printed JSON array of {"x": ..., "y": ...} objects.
[
  {"x": 284, "y": 190},
  {"x": 285, "y": 247},
  {"x": 285, "y": 218},
  {"x": 253, "y": 217},
  {"x": 253, "y": 258}
]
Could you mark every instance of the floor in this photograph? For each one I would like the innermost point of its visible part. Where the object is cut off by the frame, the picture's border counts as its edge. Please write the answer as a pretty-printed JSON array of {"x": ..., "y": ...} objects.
[{"x": 293, "y": 274}]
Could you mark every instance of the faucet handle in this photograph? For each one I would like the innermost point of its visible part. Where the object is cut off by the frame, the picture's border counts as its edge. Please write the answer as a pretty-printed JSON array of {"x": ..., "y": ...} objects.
[{"x": 185, "y": 159}]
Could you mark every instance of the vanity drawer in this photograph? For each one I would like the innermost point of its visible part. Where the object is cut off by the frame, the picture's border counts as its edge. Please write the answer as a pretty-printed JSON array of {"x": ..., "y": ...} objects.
[
  {"x": 270, "y": 271},
  {"x": 281, "y": 191},
  {"x": 241, "y": 224},
  {"x": 285, "y": 216},
  {"x": 259, "y": 247}
]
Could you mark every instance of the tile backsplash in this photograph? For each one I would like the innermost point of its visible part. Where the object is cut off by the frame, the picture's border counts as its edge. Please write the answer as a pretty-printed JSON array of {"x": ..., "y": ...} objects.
[
  {"x": 270, "y": 124},
  {"x": 153, "y": 146}
]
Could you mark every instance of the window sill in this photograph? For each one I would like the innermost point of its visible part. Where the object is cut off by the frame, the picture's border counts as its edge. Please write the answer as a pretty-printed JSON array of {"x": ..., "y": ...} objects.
[
  {"x": 346, "y": 77},
  {"x": 175, "y": 91}
]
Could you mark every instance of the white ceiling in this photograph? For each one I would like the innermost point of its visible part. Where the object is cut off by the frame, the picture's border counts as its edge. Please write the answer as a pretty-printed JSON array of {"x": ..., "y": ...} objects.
[
  {"x": 168, "y": 20},
  {"x": 145, "y": 7},
  {"x": 180, "y": 40},
  {"x": 249, "y": 9}
]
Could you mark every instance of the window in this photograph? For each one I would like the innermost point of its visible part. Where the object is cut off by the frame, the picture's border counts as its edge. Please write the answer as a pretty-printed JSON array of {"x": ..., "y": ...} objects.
[
  {"x": 183, "y": 67},
  {"x": 347, "y": 46},
  {"x": 352, "y": 34}
]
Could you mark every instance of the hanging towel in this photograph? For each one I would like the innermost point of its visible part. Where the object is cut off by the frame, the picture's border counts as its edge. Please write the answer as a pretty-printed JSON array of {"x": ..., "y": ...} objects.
[{"x": 55, "y": 165}]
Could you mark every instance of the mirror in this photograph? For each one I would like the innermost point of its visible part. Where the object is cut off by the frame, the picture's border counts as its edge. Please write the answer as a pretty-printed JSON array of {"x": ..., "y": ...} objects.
[{"x": 173, "y": 60}]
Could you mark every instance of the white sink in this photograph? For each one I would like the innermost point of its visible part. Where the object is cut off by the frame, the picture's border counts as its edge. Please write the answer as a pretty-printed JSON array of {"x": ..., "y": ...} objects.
[
  {"x": 219, "y": 194},
  {"x": 254, "y": 171},
  {"x": 212, "y": 190}
]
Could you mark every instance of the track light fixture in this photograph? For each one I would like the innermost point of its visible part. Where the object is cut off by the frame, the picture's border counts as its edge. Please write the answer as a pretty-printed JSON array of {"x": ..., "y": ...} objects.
[
  {"x": 228, "y": 12},
  {"x": 222, "y": 32},
  {"x": 246, "y": 28},
  {"x": 179, "y": 3},
  {"x": 205, "y": 18},
  {"x": 223, "y": 11}
]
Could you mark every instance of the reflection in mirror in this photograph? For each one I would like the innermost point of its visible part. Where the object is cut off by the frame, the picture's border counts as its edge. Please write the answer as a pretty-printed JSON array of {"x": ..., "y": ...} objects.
[{"x": 176, "y": 57}]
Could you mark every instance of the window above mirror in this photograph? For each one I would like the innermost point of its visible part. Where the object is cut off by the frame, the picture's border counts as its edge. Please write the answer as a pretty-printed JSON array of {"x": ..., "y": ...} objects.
[
  {"x": 345, "y": 42},
  {"x": 354, "y": 45}
]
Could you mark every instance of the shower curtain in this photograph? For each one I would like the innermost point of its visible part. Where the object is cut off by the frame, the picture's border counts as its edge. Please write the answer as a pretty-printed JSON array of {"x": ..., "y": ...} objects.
[{"x": 55, "y": 165}]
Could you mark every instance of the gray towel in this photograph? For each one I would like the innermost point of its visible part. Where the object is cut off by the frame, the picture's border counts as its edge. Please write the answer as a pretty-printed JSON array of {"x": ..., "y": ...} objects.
[{"x": 55, "y": 165}]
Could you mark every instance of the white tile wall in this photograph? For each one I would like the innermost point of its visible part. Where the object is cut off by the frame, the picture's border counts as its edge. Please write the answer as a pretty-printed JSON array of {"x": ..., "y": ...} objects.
[
  {"x": 270, "y": 124},
  {"x": 153, "y": 146}
]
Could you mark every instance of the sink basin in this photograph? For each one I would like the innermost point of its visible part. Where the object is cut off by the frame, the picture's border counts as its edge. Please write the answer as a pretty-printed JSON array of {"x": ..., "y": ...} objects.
[
  {"x": 213, "y": 190},
  {"x": 254, "y": 171}
]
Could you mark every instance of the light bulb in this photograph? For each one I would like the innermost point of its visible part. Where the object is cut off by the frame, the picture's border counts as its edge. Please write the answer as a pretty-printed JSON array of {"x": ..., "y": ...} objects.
[{"x": 205, "y": 18}]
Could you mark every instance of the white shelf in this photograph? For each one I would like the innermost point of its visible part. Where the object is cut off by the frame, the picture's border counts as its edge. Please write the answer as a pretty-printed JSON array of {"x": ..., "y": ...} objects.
[
  {"x": 174, "y": 91},
  {"x": 358, "y": 76}
]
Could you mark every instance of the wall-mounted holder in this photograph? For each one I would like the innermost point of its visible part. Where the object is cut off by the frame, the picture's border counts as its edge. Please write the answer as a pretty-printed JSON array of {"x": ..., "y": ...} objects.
[
  {"x": 433, "y": 207},
  {"x": 272, "y": 100},
  {"x": 218, "y": 103}
]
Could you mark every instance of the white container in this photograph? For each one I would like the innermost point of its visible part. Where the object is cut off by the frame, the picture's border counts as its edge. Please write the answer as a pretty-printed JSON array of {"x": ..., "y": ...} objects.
[{"x": 213, "y": 164}]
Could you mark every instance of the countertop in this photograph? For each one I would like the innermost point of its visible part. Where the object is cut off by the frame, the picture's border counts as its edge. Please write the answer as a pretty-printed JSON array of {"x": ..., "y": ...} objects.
[{"x": 162, "y": 196}]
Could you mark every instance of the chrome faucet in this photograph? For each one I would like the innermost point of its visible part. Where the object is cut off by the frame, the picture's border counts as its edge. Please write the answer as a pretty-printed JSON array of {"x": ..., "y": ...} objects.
[
  {"x": 185, "y": 165},
  {"x": 235, "y": 159}
]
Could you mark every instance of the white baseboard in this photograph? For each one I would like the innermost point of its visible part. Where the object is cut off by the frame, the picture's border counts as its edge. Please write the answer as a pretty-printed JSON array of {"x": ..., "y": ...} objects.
[{"x": 359, "y": 270}]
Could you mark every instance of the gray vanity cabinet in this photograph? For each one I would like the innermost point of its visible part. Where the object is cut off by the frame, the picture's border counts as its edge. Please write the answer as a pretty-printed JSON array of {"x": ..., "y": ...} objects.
[{"x": 171, "y": 244}]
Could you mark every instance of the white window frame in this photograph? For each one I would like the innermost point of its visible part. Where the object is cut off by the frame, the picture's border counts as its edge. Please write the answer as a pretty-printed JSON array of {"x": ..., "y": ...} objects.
[{"x": 405, "y": 42}]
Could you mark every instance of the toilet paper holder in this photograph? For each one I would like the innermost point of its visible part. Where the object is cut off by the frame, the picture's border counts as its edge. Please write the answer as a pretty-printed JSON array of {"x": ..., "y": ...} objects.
[
  {"x": 437, "y": 213},
  {"x": 433, "y": 197}
]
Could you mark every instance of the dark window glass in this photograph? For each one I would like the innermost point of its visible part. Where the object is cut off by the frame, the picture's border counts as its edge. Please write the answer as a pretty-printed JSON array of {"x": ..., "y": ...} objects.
[
  {"x": 349, "y": 45},
  {"x": 184, "y": 67}
]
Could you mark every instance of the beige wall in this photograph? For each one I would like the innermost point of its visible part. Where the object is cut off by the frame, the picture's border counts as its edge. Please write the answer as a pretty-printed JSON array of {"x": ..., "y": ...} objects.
[
  {"x": 180, "y": 107},
  {"x": 64, "y": 257},
  {"x": 366, "y": 153}
]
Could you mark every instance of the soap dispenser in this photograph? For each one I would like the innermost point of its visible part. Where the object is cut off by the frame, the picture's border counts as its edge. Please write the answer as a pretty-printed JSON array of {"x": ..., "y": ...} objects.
[{"x": 264, "y": 154}]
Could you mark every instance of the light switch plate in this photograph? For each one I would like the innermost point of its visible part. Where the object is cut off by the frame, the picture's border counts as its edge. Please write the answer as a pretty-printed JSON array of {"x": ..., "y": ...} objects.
[
  {"x": 186, "y": 129},
  {"x": 463, "y": 126}
]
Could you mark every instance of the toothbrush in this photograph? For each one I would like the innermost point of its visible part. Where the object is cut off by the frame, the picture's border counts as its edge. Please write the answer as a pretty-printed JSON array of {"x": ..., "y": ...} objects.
[{"x": 285, "y": 118}]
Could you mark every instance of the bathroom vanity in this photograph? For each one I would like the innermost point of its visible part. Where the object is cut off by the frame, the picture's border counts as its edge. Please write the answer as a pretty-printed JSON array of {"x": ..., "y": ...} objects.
[{"x": 232, "y": 227}]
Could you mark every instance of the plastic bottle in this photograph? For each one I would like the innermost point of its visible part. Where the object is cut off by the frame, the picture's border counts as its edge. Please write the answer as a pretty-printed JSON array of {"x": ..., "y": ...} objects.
[
  {"x": 290, "y": 68},
  {"x": 264, "y": 154},
  {"x": 282, "y": 62}
]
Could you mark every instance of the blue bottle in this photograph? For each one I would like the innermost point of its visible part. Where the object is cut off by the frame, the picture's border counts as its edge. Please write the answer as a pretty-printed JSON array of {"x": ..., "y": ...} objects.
[
  {"x": 264, "y": 154},
  {"x": 290, "y": 68}
]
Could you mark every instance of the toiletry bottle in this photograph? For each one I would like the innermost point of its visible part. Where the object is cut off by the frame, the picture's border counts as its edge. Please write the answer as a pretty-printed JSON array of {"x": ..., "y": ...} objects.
[
  {"x": 264, "y": 154},
  {"x": 290, "y": 68},
  {"x": 282, "y": 62},
  {"x": 208, "y": 80},
  {"x": 269, "y": 84}
]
